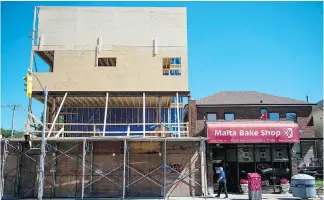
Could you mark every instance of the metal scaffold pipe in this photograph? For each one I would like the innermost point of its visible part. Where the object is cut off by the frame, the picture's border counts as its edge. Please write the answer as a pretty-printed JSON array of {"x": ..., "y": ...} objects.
[
  {"x": 83, "y": 166},
  {"x": 124, "y": 174},
  {"x": 42, "y": 155},
  {"x": 178, "y": 115}
]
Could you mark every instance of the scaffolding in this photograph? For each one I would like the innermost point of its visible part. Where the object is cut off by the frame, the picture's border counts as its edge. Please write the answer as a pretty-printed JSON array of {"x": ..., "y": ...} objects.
[{"x": 127, "y": 180}]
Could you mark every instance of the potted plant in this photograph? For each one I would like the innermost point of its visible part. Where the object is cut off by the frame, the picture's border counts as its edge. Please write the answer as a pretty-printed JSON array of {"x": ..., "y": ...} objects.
[
  {"x": 244, "y": 185},
  {"x": 284, "y": 184}
]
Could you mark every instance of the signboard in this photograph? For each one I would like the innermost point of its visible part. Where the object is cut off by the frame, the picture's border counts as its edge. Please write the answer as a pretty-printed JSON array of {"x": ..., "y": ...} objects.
[{"x": 252, "y": 133}]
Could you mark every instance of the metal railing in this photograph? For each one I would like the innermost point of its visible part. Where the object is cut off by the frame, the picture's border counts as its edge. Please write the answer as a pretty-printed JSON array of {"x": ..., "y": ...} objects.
[{"x": 120, "y": 129}]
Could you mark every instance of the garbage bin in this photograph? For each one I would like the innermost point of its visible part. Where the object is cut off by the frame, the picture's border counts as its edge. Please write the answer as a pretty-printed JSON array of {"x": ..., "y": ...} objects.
[
  {"x": 255, "y": 186},
  {"x": 303, "y": 186}
]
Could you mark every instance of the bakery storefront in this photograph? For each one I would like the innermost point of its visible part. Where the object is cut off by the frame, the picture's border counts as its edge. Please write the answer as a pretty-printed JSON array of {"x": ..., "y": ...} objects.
[{"x": 244, "y": 147}]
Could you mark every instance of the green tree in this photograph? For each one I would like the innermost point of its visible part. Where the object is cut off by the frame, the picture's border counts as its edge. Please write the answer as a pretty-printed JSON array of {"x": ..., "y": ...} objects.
[{"x": 6, "y": 133}]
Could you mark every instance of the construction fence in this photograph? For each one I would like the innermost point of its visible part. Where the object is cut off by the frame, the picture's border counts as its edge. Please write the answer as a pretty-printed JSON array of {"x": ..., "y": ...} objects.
[{"x": 107, "y": 168}]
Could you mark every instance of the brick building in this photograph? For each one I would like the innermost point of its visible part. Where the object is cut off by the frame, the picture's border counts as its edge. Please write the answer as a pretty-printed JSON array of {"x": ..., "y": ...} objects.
[{"x": 217, "y": 117}]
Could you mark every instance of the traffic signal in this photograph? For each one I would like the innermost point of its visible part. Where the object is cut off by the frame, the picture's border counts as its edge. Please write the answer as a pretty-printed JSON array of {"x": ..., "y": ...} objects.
[{"x": 28, "y": 84}]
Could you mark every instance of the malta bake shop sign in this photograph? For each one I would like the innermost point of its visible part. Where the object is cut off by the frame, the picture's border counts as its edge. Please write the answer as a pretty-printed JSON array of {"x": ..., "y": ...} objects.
[{"x": 252, "y": 133}]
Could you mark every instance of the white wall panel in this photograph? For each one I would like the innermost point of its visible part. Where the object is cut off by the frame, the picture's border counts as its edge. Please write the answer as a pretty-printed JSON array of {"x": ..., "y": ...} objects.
[{"x": 78, "y": 28}]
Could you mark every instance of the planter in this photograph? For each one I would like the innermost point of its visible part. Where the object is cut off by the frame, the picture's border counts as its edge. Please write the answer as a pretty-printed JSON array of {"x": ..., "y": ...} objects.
[
  {"x": 285, "y": 188},
  {"x": 244, "y": 188}
]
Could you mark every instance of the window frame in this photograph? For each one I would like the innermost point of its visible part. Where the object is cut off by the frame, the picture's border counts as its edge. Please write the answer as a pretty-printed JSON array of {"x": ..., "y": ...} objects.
[
  {"x": 226, "y": 113},
  {"x": 263, "y": 109},
  {"x": 209, "y": 114},
  {"x": 114, "y": 58},
  {"x": 168, "y": 65},
  {"x": 274, "y": 113},
  {"x": 296, "y": 118}
]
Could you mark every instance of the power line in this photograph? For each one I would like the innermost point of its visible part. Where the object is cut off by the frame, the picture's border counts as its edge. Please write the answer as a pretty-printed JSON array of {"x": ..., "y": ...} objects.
[{"x": 13, "y": 108}]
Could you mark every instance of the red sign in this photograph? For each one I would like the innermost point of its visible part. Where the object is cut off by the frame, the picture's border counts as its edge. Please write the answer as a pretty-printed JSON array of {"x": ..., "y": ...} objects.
[{"x": 252, "y": 133}]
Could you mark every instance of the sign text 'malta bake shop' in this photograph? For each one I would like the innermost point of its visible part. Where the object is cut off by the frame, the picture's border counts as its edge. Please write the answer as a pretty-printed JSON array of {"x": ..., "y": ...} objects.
[{"x": 255, "y": 133}]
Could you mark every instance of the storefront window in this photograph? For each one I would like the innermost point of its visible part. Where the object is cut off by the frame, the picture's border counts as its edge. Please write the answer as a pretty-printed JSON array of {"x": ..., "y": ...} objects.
[
  {"x": 264, "y": 165},
  {"x": 246, "y": 160},
  {"x": 281, "y": 167}
]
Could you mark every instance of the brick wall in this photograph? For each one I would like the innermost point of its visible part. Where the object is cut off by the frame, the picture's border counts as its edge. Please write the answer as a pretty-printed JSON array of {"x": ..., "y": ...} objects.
[{"x": 303, "y": 116}]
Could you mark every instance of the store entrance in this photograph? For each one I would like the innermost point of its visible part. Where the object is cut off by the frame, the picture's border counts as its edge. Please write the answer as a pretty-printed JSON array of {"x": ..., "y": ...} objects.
[
  {"x": 225, "y": 156},
  {"x": 272, "y": 162}
]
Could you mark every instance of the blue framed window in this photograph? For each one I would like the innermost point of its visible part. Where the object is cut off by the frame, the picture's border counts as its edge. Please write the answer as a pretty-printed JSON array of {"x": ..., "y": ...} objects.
[
  {"x": 229, "y": 116},
  {"x": 211, "y": 117},
  {"x": 274, "y": 116},
  {"x": 263, "y": 110},
  {"x": 292, "y": 117}
]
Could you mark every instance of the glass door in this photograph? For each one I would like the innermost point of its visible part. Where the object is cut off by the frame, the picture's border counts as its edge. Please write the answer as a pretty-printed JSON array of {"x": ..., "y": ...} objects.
[
  {"x": 264, "y": 166},
  {"x": 281, "y": 167},
  {"x": 231, "y": 168},
  {"x": 246, "y": 160},
  {"x": 218, "y": 161}
]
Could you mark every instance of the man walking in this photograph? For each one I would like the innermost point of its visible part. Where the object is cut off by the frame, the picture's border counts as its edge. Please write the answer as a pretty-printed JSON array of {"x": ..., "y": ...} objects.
[{"x": 222, "y": 183}]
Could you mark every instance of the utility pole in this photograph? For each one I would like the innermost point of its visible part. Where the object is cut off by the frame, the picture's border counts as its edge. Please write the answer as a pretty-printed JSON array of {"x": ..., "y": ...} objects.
[{"x": 13, "y": 107}]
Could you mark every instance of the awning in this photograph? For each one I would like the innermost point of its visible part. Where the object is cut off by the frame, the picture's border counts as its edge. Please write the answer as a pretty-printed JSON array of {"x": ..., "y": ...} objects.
[{"x": 253, "y": 132}]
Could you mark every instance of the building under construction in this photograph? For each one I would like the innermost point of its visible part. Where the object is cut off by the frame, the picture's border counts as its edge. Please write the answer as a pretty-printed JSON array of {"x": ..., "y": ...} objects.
[{"x": 113, "y": 96}]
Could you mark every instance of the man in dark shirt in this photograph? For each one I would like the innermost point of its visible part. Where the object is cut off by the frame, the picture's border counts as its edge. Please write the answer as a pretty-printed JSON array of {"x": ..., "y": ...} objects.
[{"x": 222, "y": 183}]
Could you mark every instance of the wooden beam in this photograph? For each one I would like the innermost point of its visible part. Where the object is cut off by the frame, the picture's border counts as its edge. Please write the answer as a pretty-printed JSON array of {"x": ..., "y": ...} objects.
[
  {"x": 37, "y": 120},
  {"x": 121, "y": 102},
  {"x": 91, "y": 100},
  {"x": 139, "y": 101},
  {"x": 62, "y": 102},
  {"x": 72, "y": 99},
  {"x": 102, "y": 100},
  {"x": 80, "y": 103},
  {"x": 85, "y": 102},
  {"x": 113, "y": 101},
  {"x": 128, "y": 104},
  {"x": 96, "y": 100},
  {"x": 60, "y": 131},
  {"x": 132, "y": 99}
]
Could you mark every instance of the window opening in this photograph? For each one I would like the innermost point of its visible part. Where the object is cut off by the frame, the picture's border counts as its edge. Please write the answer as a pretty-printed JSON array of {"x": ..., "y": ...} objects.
[
  {"x": 107, "y": 62},
  {"x": 172, "y": 66}
]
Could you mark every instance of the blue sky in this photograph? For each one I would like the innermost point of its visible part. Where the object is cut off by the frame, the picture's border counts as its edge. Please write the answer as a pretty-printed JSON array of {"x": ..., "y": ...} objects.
[{"x": 271, "y": 47}]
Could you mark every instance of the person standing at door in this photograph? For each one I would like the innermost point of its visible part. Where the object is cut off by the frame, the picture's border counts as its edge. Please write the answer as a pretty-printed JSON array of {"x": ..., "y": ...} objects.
[{"x": 222, "y": 183}]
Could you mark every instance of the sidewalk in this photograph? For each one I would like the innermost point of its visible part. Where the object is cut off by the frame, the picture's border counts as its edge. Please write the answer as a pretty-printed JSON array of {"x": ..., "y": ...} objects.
[
  {"x": 230, "y": 197},
  {"x": 243, "y": 197}
]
